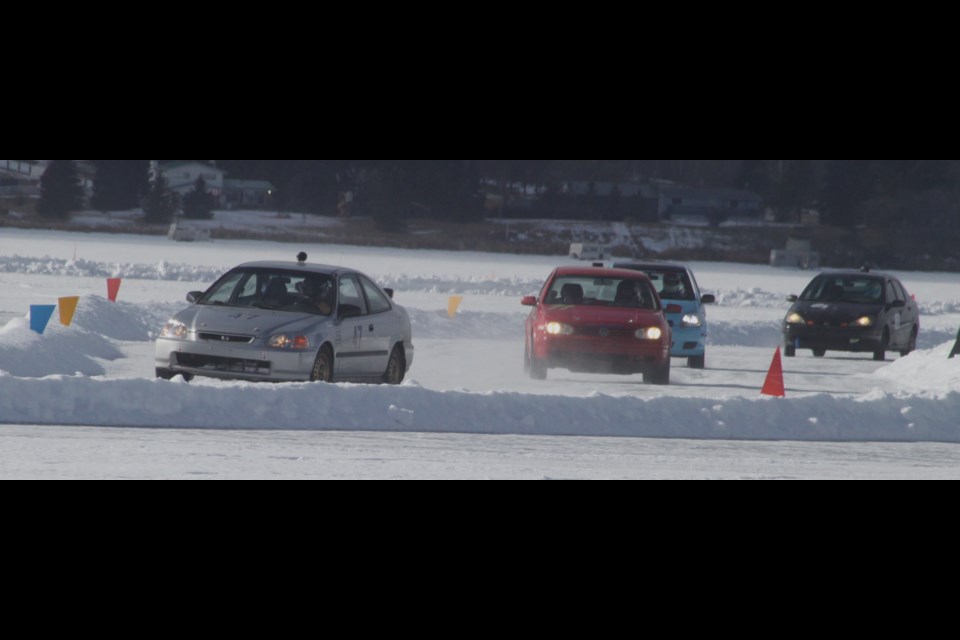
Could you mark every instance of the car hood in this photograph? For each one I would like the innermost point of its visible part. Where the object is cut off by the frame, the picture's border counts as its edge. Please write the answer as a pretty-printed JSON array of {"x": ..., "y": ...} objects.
[
  {"x": 252, "y": 322},
  {"x": 834, "y": 311},
  {"x": 581, "y": 315}
]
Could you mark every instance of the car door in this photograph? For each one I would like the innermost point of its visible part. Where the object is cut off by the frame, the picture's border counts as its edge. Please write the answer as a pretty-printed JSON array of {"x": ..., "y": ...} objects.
[
  {"x": 350, "y": 355},
  {"x": 909, "y": 318},
  {"x": 383, "y": 328},
  {"x": 897, "y": 317}
]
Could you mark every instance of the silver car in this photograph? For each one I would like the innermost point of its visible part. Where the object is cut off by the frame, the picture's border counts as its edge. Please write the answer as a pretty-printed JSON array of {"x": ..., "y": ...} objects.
[{"x": 289, "y": 321}]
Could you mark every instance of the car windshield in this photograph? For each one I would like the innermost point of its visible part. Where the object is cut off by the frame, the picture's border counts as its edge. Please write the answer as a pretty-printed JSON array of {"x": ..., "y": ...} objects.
[
  {"x": 296, "y": 291},
  {"x": 845, "y": 289},
  {"x": 609, "y": 292},
  {"x": 671, "y": 284}
]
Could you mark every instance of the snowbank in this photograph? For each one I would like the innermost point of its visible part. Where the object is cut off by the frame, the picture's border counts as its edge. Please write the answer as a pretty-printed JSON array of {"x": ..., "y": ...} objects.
[{"x": 315, "y": 406}]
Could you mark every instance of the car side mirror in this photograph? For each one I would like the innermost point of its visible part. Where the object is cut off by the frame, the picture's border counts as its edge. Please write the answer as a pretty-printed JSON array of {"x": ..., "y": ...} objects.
[
  {"x": 792, "y": 298},
  {"x": 708, "y": 298},
  {"x": 193, "y": 296},
  {"x": 897, "y": 304},
  {"x": 529, "y": 301},
  {"x": 389, "y": 292}
]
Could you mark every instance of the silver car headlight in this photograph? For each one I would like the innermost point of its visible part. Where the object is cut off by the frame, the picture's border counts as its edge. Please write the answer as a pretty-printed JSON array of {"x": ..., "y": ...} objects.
[
  {"x": 175, "y": 330},
  {"x": 288, "y": 341}
]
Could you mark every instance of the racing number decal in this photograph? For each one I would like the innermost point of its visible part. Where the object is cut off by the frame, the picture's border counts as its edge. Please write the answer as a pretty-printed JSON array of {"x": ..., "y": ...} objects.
[
  {"x": 357, "y": 336},
  {"x": 897, "y": 321}
]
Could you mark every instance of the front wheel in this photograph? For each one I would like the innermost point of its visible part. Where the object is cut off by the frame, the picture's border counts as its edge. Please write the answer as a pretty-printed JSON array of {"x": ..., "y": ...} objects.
[
  {"x": 396, "y": 367},
  {"x": 881, "y": 354},
  {"x": 660, "y": 375},
  {"x": 323, "y": 366},
  {"x": 911, "y": 346}
]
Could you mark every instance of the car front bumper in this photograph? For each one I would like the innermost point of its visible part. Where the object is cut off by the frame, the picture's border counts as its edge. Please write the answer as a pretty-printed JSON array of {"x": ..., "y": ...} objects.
[
  {"x": 234, "y": 362},
  {"x": 689, "y": 342},
  {"x": 599, "y": 354},
  {"x": 833, "y": 338}
]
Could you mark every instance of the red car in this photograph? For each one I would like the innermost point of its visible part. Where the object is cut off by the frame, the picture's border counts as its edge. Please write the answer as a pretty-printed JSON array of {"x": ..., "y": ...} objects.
[{"x": 599, "y": 321}]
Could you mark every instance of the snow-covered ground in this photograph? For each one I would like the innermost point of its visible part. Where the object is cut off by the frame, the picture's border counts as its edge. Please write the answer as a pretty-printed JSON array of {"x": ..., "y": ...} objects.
[{"x": 466, "y": 409}]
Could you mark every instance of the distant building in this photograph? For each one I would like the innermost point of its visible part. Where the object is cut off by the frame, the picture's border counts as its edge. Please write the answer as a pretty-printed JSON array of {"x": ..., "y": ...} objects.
[
  {"x": 182, "y": 176},
  {"x": 22, "y": 177},
  {"x": 247, "y": 193},
  {"x": 712, "y": 204}
]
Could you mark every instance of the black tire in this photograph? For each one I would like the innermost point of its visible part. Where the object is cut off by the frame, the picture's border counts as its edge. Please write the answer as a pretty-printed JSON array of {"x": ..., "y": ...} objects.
[
  {"x": 660, "y": 375},
  {"x": 881, "y": 354},
  {"x": 323, "y": 366},
  {"x": 911, "y": 346},
  {"x": 166, "y": 374},
  {"x": 819, "y": 353},
  {"x": 790, "y": 352},
  {"x": 536, "y": 369},
  {"x": 697, "y": 362},
  {"x": 396, "y": 367}
]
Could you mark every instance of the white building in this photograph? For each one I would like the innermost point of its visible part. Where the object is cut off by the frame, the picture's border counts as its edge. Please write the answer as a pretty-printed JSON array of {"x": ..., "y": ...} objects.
[{"x": 182, "y": 176}]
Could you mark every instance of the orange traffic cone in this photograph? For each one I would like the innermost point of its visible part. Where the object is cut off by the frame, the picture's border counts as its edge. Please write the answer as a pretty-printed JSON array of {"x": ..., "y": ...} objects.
[{"x": 773, "y": 386}]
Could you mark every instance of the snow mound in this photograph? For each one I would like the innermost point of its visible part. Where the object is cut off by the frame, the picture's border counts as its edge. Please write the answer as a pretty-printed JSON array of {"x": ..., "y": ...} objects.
[
  {"x": 60, "y": 350},
  {"x": 927, "y": 371},
  {"x": 210, "y": 404}
]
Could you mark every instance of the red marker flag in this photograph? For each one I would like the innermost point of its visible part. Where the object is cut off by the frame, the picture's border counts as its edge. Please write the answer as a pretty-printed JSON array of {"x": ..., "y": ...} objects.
[{"x": 113, "y": 288}]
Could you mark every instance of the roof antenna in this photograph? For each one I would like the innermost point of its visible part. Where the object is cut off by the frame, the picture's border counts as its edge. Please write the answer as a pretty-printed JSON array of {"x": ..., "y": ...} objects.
[
  {"x": 865, "y": 268},
  {"x": 301, "y": 257}
]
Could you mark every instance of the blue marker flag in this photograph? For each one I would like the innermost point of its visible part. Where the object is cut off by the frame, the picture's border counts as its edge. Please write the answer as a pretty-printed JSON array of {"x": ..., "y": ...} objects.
[{"x": 40, "y": 315}]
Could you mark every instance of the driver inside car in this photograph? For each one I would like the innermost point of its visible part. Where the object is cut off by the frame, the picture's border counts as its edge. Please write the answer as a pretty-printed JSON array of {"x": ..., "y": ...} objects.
[{"x": 318, "y": 296}]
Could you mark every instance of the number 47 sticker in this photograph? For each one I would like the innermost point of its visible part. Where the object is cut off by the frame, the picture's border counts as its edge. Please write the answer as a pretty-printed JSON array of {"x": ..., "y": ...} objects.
[{"x": 357, "y": 336}]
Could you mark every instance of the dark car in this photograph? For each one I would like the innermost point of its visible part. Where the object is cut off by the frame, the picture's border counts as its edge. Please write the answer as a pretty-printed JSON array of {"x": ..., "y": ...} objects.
[
  {"x": 598, "y": 320},
  {"x": 855, "y": 311}
]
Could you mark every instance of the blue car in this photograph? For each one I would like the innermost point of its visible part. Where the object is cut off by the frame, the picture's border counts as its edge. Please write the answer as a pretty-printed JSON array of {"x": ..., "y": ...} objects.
[{"x": 684, "y": 306}]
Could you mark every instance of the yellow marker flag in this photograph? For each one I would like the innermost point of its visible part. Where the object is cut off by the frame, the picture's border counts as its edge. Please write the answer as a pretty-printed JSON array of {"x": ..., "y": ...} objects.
[
  {"x": 68, "y": 306},
  {"x": 453, "y": 304}
]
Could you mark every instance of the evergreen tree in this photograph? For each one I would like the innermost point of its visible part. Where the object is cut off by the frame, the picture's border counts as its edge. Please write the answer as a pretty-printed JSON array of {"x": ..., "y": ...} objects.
[
  {"x": 160, "y": 205},
  {"x": 849, "y": 184},
  {"x": 198, "y": 204},
  {"x": 60, "y": 190},
  {"x": 120, "y": 184}
]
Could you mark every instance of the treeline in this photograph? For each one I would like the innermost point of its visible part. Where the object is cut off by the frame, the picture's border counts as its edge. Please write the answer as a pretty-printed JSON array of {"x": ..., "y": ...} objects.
[{"x": 915, "y": 199}]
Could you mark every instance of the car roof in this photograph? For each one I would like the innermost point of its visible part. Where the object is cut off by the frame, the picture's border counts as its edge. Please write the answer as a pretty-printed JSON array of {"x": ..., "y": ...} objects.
[
  {"x": 600, "y": 272},
  {"x": 325, "y": 269},
  {"x": 670, "y": 266},
  {"x": 854, "y": 273}
]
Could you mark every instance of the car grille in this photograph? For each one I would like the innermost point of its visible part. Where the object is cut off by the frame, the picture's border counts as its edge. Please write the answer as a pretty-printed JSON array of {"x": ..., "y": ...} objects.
[
  {"x": 227, "y": 365},
  {"x": 604, "y": 332},
  {"x": 223, "y": 337}
]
